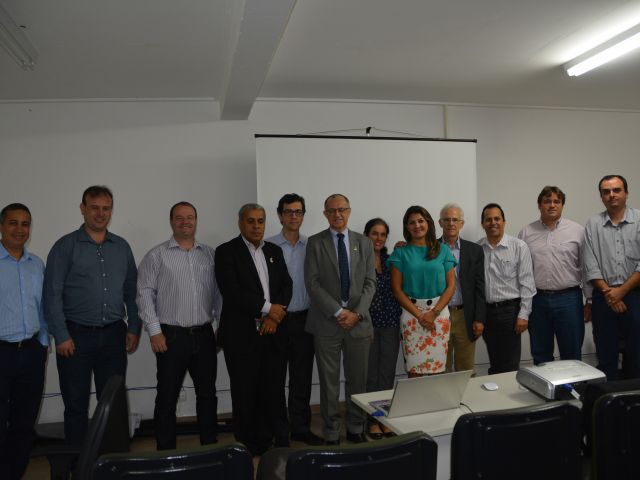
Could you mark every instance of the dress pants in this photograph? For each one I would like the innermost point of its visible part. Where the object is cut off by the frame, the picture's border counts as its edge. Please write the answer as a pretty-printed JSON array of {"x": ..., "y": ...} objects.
[
  {"x": 193, "y": 350},
  {"x": 257, "y": 377},
  {"x": 462, "y": 351},
  {"x": 355, "y": 357},
  {"x": 503, "y": 344},
  {"x": 21, "y": 384},
  {"x": 558, "y": 314},
  {"x": 99, "y": 350},
  {"x": 300, "y": 359},
  {"x": 609, "y": 327},
  {"x": 383, "y": 358}
]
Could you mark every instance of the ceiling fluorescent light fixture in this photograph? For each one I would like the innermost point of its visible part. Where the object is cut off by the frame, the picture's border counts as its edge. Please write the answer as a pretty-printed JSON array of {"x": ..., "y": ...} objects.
[
  {"x": 611, "y": 49},
  {"x": 16, "y": 43}
]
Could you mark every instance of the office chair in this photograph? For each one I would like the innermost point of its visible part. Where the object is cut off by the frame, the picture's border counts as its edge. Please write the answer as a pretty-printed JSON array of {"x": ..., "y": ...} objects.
[
  {"x": 616, "y": 438},
  {"x": 523, "y": 443},
  {"x": 108, "y": 432},
  {"x": 591, "y": 394},
  {"x": 411, "y": 456},
  {"x": 226, "y": 462}
]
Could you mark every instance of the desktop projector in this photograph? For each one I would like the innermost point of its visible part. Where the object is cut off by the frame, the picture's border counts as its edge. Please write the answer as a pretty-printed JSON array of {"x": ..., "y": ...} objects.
[{"x": 553, "y": 380}]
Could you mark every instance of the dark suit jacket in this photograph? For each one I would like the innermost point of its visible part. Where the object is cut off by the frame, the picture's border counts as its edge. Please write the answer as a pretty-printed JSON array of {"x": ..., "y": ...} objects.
[
  {"x": 242, "y": 292},
  {"x": 471, "y": 277}
]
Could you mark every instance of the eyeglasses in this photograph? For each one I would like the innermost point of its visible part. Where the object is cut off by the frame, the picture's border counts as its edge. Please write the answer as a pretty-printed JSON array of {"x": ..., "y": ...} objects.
[
  {"x": 451, "y": 220},
  {"x": 333, "y": 211},
  {"x": 290, "y": 213}
]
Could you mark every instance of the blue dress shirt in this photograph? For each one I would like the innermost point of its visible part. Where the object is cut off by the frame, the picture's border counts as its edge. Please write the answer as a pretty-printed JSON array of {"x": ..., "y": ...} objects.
[
  {"x": 21, "y": 311},
  {"x": 90, "y": 283},
  {"x": 294, "y": 258}
]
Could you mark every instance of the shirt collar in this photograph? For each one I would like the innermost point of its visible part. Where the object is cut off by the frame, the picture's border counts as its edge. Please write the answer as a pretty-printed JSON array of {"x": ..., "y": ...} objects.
[
  {"x": 456, "y": 244},
  {"x": 544, "y": 225},
  {"x": 4, "y": 253},
  {"x": 628, "y": 218},
  {"x": 84, "y": 236},
  {"x": 173, "y": 243},
  {"x": 280, "y": 239},
  {"x": 250, "y": 245}
]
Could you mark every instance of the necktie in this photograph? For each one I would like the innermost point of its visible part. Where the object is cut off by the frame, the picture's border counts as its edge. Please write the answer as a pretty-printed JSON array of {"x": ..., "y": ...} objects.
[{"x": 343, "y": 265}]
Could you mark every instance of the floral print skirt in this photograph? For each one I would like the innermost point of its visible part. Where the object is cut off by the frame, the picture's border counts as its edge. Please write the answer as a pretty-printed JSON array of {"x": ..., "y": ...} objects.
[{"x": 425, "y": 351}]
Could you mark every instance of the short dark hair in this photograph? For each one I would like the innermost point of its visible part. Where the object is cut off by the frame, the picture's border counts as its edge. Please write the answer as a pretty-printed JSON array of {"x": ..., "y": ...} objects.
[
  {"x": 611, "y": 177},
  {"x": 96, "y": 191},
  {"x": 181, "y": 204},
  {"x": 432, "y": 243},
  {"x": 374, "y": 222},
  {"x": 11, "y": 207},
  {"x": 290, "y": 198},
  {"x": 335, "y": 195},
  {"x": 548, "y": 190},
  {"x": 492, "y": 205}
]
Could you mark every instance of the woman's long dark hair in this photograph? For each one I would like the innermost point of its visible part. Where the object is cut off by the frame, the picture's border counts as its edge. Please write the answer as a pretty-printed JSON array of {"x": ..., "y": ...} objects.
[
  {"x": 432, "y": 243},
  {"x": 372, "y": 223}
]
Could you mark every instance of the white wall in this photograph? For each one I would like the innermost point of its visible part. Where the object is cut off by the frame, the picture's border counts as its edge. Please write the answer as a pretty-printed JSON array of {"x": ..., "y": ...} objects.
[{"x": 153, "y": 154}]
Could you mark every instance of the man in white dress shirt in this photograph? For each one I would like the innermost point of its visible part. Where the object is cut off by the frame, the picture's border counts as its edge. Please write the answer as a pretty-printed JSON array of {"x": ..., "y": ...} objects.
[
  {"x": 509, "y": 289},
  {"x": 177, "y": 300}
]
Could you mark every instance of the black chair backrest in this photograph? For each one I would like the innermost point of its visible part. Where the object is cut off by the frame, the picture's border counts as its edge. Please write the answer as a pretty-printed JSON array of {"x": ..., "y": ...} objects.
[
  {"x": 525, "y": 443},
  {"x": 410, "y": 456},
  {"x": 229, "y": 462},
  {"x": 108, "y": 429},
  {"x": 591, "y": 394},
  {"x": 616, "y": 436}
]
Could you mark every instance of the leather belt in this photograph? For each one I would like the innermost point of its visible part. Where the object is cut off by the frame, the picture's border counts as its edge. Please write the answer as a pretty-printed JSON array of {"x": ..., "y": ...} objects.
[
  {"x": 504, "y": 303},
  {"x": 20, "y": 344},
  {"x": 558, "y": 292}
]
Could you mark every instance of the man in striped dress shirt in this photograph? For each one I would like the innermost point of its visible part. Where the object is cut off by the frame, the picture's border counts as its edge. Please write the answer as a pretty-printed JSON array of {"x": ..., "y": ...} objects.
[
  {"x": 177, "y": 301},
  {"x": 510, "y": 288}
]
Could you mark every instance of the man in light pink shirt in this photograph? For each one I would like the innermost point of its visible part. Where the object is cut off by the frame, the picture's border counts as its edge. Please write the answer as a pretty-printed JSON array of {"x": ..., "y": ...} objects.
[{"x": 555, "y": 244}]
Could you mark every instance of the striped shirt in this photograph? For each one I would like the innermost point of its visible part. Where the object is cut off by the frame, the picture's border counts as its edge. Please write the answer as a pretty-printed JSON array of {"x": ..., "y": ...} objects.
[
  {"x": 612, "y": 252},
  {"x": 257, "y": 255},
  {"x": 294, "y": 258},
  {"x": 21, "y": 311},
  {"x": 508, "y": 273},
  {"x": 177, "y": 287}
]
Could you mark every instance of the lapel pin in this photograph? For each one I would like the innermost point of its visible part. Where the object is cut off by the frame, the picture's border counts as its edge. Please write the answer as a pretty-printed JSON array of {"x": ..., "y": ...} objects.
[{"x": 271, "y": 259}]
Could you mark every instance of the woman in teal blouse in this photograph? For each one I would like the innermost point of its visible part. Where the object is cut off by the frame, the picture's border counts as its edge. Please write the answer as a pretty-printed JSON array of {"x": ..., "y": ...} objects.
[{"x": 423, "y": 282}]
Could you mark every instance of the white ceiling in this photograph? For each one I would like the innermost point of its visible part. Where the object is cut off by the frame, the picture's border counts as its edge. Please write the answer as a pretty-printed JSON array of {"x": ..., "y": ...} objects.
[{"x": 453, "y": 51}]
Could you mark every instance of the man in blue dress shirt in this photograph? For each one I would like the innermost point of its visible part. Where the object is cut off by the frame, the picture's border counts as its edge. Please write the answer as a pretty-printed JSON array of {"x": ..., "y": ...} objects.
[
  {"x": 299, "y": 348},
  {"x": 90, "y": 279},
  {"x": 24, "y": 340}
]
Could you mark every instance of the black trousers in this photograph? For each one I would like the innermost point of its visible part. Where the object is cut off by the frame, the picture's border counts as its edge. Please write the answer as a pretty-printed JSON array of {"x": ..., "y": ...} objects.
[
  {"x": 257, "y": 378},
  {"x": 300, "y": 359},
  {"x": 190, "y": 350},
  {"x": 21, "y": 383},
  {"x": 503, "y": 344}
]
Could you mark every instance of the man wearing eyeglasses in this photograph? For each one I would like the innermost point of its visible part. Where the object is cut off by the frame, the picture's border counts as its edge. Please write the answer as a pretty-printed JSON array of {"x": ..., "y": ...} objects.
[
  {"x": 299, "y": 344},
  {"x": 611, "y": 260},
  {"x": 467, "y": 306},
  {"x": 340, "y": 276}
]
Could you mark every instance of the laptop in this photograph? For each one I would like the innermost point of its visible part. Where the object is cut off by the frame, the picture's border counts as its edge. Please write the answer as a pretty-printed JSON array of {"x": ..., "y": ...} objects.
[{"x": 414, "y": 396}]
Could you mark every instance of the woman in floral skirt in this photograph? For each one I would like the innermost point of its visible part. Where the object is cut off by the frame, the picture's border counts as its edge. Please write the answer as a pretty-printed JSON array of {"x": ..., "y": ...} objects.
[{"x": 423, "y": 282}]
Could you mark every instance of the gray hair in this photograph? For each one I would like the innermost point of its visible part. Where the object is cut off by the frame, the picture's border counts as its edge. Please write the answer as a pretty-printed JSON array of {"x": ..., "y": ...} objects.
[
  {"x": 249, "y": 206},
  {"x": 452, "y": 205}
]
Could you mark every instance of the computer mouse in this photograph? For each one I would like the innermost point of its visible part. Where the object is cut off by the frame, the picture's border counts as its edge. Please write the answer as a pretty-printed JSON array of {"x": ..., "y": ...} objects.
[{"x": 490, "y": 386}]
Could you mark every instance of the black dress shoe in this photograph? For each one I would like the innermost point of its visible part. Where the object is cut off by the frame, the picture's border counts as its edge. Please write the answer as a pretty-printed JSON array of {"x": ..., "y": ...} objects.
[
  {"x": 356, "y": 437},
  {"x": 332, "y": 443},
  {"x": 309, "y": 438},
  {"x": 375, "y": 435}
]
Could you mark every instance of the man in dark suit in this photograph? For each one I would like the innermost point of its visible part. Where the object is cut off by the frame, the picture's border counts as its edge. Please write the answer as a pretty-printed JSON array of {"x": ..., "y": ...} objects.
[
  {"x": 255, "y": 285},
  {"x": 340, "y": 276},
  {"x": 467, "y": 306}
]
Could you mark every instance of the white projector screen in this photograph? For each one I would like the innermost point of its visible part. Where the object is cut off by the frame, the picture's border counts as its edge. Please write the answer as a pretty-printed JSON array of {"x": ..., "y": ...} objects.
[{"x": 380, "y": 176}]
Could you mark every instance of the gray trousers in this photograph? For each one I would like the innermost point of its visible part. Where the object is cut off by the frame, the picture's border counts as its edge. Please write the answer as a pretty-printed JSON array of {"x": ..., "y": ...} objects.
[
  {"x": 355, "y": 356},
  {"x": 383, "y": 357}
]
